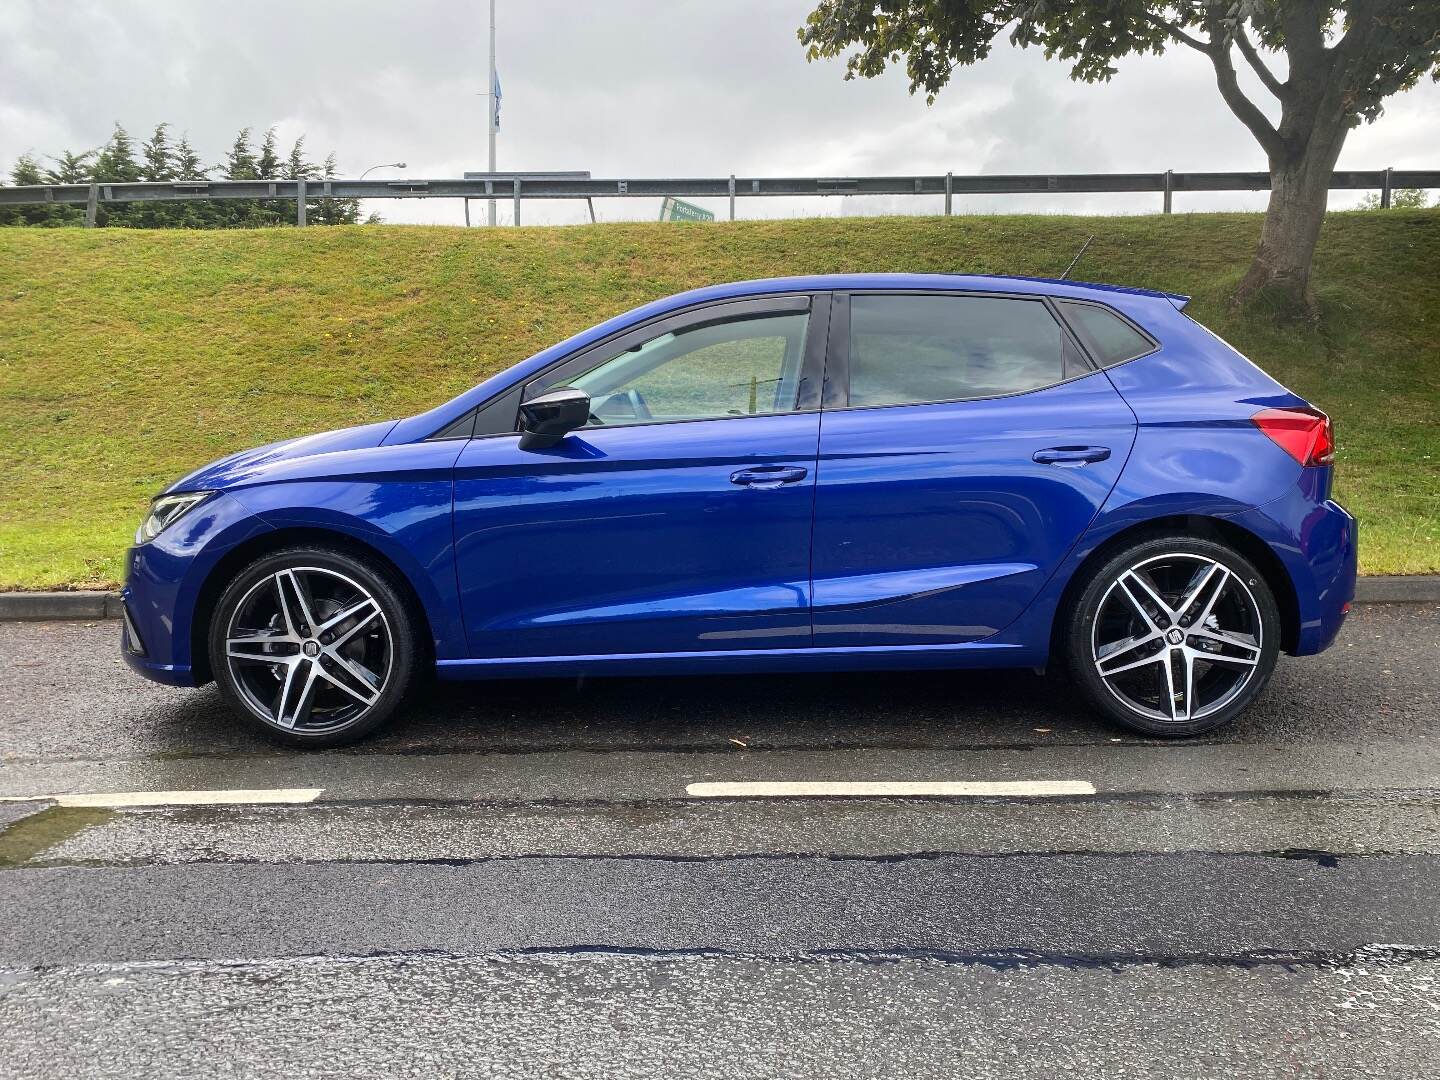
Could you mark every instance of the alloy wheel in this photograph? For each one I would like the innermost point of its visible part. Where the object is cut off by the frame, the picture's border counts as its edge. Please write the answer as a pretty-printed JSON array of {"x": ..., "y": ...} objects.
[
  {"x": 1177, "y": 637},
  {"x": 309, "y": 649}
]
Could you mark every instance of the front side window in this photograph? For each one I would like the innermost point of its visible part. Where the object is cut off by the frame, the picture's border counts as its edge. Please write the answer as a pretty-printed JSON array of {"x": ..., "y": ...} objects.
[
  {"x": 744, "y": 367},
  {"x": 908, "y": 349}
]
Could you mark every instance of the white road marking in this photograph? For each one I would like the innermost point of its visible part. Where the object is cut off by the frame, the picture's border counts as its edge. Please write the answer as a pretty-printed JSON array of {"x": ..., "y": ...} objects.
[
  {"x": 890, "y": 788},
  {"x": 220, "y": 797}
]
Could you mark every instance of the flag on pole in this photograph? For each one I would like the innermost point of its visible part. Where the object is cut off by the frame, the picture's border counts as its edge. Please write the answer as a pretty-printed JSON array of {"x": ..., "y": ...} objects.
[{"x": 495, "y": 97}]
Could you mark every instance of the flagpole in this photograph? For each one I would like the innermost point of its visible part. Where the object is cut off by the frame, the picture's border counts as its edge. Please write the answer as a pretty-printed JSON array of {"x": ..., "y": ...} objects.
[{"x": 490, "y": 98}]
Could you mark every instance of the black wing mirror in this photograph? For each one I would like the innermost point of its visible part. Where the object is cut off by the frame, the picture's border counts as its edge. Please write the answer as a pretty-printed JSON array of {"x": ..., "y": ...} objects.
[{"x": 547, "y": 419}]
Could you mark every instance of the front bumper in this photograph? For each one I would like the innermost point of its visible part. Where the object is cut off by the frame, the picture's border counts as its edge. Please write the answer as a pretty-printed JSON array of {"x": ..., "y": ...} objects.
[{"x": 164, "y": 584}]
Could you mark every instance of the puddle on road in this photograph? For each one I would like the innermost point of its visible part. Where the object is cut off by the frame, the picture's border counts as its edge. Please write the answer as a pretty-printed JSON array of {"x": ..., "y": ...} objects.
[{"x": 32, "y": 835}]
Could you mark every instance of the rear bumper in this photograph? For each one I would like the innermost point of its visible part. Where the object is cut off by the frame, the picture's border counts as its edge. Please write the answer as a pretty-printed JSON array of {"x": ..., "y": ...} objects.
[{"x": 1316, "y": 543}]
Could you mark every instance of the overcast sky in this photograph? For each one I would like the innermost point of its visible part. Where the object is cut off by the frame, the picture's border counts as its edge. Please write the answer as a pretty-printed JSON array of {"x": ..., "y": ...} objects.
[{"x": 623, "y": 88}]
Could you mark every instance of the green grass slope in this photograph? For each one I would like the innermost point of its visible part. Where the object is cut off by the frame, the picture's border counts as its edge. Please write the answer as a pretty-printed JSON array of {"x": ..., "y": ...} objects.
[{"x": 128, "y": 358}]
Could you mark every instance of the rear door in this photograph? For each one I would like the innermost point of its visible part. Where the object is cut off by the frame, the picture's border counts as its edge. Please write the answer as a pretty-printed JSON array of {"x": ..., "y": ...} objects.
[
  {"x": 679, "y": 519},
  {"x": 966, "y": 444}
]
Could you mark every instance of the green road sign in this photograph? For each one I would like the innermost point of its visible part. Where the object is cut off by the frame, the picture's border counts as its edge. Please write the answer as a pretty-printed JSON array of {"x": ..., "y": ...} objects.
[{"x": 679, "y": 210}]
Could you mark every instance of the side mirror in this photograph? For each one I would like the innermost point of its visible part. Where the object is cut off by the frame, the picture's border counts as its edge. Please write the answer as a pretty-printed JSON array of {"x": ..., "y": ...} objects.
[{"x": 547, "y": 419}]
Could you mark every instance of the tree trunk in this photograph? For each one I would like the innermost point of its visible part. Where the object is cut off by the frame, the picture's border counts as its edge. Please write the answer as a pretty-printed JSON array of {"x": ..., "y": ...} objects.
[
  {"x": 1299, "y": 191},
  {"x": 1315, "y": 117}
]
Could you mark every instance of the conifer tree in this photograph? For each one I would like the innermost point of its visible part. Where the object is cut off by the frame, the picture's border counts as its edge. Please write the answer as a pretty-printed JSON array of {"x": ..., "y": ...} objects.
[
  {"x": 338, "y": 211},
  {"x": 158, "y": 164},
  {"x": 116, "y": 164},
  {"x": 240, "y": 160},
  {"x": 267, "y": 167},
  {"x": 239, "y": 164},
  {"x": 192, "y": 215},
  {"x": 296, "y": 164},
  {"x": 70, "y": 168},
  {"x": 187, "y": 162},
  {"x": 26, "y": 172}
]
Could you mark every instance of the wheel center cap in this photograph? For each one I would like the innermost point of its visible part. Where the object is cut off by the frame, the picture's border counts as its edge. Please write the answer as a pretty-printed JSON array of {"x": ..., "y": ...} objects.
[
  {"x": 1175, "y": 637},
  {"x": 311, "y": 648}
]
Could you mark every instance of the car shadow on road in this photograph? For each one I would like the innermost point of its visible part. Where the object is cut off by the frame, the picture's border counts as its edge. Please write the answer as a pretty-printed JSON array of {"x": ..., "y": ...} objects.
[{"x": 914, "y": 710}]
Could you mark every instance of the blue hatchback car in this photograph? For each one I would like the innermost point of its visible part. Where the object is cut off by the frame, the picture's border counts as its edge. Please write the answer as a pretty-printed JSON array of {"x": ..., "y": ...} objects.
[{"x": 802, "y": 474}]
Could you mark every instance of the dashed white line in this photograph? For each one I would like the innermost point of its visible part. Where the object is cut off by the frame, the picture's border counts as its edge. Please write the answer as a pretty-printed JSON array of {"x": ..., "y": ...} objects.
[
  {"x": 888, "y": 788},
  {"x": 216, "y": 797}
]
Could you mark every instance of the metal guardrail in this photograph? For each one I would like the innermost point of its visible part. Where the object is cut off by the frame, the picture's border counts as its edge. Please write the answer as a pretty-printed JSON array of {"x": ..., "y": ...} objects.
[{"x": 519, "y": 186}]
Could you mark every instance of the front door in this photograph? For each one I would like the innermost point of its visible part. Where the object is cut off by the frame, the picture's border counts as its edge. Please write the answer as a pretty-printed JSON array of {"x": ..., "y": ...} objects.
[
  {"x": 968, "y": 447},
  {"x": 679, "y": 519}
]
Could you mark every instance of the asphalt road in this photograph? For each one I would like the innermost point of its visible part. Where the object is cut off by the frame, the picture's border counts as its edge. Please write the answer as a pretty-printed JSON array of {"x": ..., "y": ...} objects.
[{"x": 515, "y": 881}]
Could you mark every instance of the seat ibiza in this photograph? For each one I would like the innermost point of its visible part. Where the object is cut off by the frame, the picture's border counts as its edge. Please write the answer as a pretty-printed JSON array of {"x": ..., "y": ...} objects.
[{"x": 821, "y": 473}]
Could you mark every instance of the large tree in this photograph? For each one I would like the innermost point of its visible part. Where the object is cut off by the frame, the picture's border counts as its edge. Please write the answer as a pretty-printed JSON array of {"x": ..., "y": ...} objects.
[{"x": 1341, "y": 60}]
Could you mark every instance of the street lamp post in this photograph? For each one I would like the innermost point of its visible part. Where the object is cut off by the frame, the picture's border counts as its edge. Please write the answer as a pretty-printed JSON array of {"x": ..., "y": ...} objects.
[
  {"x": 491, "y": 118},
  {"x": 391, "y": 165}
]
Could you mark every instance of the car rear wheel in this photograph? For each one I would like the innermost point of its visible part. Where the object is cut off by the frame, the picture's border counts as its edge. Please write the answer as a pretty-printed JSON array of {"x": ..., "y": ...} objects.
[
  {"x": 1173, "y": 636},
  {"x": 313, "y": 647}
]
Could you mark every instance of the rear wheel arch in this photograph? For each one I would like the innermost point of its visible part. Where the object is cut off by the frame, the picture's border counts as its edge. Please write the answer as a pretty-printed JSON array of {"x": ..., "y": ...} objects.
[
  {"x": 1237, "y": 537},
  {"x": 245, "y": 553}
]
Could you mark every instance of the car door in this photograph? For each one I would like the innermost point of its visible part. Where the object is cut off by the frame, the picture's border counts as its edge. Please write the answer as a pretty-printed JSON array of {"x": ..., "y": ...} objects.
[
  {"x": 965, "y": 446},
  {"x": 679, "y": 519}
]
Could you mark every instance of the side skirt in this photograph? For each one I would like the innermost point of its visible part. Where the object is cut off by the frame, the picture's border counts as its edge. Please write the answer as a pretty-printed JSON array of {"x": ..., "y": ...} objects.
[{"x": 970, "y": 654}]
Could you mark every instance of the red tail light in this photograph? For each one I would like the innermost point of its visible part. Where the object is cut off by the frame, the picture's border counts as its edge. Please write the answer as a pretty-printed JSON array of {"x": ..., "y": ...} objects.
[{"x": 1305, "y": 434}]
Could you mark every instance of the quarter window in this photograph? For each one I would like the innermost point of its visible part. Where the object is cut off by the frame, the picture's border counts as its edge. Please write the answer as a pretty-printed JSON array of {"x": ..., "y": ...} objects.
[
  {"x": 906, "y": 349},
  {"x": 745, "y": 367},
  {"x": 1113, "y": 339}
]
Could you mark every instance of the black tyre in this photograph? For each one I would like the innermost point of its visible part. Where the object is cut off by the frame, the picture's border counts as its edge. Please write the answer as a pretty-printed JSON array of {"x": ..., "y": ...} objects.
[
  {"x": 313, "y": 647},
  {"x": 1173, "y": 636}
]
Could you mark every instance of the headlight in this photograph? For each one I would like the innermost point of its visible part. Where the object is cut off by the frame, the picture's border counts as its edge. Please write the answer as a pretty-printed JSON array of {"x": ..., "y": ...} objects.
[{"x": 165, "y": 511}]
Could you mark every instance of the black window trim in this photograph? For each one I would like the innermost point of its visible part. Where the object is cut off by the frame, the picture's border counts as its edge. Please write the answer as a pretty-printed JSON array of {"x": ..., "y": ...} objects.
[
  {"x": 1092, "y": 348},
  {"x": 499, "y": 415},
  {"x": 837, "y": 368}
]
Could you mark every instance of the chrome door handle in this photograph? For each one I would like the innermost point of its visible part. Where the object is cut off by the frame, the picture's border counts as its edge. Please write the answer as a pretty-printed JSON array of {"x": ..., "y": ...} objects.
[
  {"x": 1071, "y": 456},
  {"x": 768, "y": 476}
]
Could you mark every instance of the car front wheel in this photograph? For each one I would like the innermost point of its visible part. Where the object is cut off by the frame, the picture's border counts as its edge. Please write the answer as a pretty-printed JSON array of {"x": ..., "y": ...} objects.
[
  {"x": 313, "y": 647},
  {"x": 1173, "y": 636}
]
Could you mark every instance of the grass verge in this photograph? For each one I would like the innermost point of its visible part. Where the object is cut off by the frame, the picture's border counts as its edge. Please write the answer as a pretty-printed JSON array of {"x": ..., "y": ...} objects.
[{"x": 128, "y": 357}]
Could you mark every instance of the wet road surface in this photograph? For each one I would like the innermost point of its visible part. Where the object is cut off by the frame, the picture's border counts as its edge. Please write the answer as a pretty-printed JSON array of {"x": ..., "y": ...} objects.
[{"x": 516, "y": 881}]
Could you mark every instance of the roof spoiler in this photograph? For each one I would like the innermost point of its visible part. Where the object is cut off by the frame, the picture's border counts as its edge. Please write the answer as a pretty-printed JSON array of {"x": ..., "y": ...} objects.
[{"x": 1178, "y": 300}]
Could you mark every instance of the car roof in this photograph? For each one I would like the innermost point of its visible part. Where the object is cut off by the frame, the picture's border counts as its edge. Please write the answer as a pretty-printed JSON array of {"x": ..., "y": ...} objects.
[{"x": 921, "y": 282}]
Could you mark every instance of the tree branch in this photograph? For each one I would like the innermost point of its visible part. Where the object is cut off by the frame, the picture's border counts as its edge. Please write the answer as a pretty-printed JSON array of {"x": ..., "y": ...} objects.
[
  {"x": 1175, "y": 32},
  {"x": 1247, "y": 111},
  {"x": 1247, "y": 50}
]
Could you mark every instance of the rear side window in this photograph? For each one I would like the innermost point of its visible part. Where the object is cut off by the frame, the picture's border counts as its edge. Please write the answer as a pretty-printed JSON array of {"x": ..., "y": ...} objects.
[
  {"x": 1111, "y": 338},
  {"x": 908, "y": 349}
]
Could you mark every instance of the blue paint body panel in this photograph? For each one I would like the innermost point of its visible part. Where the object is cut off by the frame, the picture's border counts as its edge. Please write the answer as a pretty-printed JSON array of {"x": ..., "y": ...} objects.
[
  {"x": 919, "y": 536},
  {"x": 635, "y": 540},
  {"x": 934, "y": 523}
]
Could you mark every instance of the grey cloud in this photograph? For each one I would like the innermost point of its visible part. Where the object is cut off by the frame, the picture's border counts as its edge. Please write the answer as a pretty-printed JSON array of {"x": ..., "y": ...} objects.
[{"x": 684, "y": 88}]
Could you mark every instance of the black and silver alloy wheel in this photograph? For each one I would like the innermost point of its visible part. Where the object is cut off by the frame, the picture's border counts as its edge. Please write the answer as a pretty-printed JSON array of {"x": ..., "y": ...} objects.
[
  {"x": 1174, "y": 637},
  {"x": 312, "y": 646}
]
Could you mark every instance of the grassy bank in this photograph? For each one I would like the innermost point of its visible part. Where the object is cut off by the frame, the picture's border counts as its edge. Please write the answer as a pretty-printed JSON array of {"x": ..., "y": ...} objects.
[{"x": 127, "y": 358}]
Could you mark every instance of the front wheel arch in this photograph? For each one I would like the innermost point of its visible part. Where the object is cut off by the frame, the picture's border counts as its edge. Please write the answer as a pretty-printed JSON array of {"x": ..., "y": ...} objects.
[
  {"x": 243, "y": 554},
  {"x": 1242, "y": 540}
]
